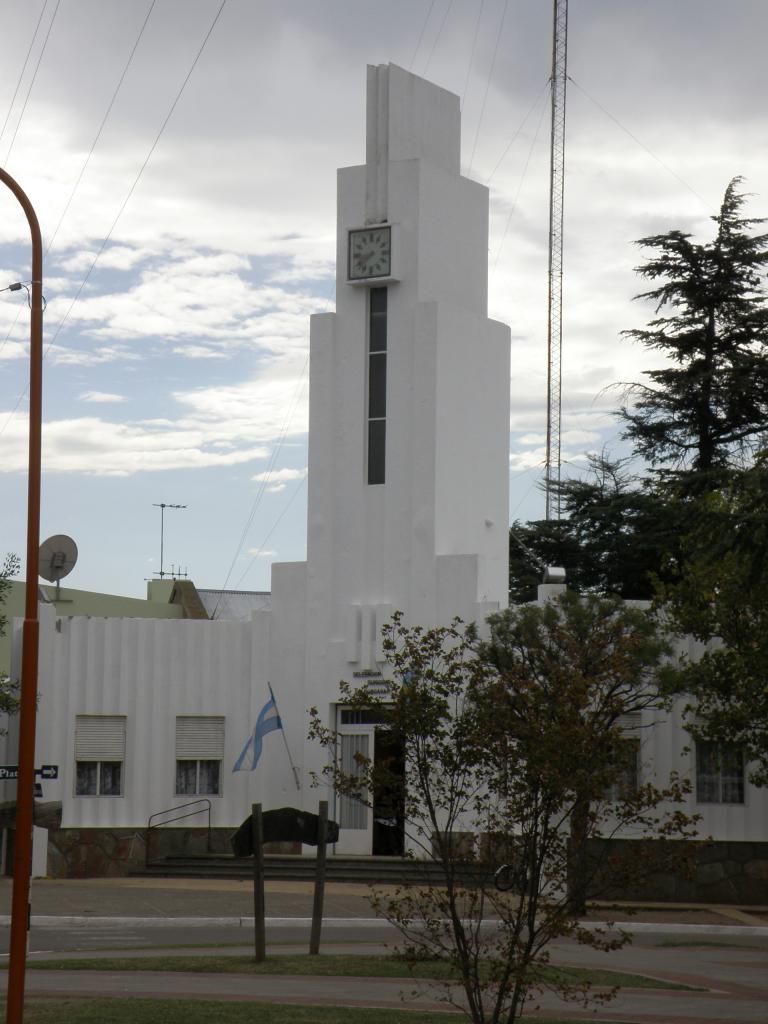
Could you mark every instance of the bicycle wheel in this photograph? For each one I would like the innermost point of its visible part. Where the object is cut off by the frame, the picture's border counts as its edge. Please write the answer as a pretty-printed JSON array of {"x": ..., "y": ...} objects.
[{"x": 504, "y": 878}]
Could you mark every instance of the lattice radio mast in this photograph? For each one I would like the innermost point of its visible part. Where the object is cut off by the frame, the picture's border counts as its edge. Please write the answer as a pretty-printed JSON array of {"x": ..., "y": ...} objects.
[{"x": 555, "y": 298}]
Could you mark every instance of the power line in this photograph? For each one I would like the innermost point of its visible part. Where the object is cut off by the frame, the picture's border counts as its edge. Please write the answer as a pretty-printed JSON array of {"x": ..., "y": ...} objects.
[
  {"x": 531, "y": 148},
  {"x": 272, "y": 529},
  {"x": 421, "y": 34},
  {"x": 264, "y": 483},
  {"x": 90, "y": 152},
  {"x": 23, "y": 69},
  {"x": 641, "y": 144},
  {"x": 136, "y": 180},
  {"x": 509, "y": 145},
  {"x": 472, "y": 54},
  {"x": 125, "y": 202},
  {"x": 100, "y": 128},
  {"x": 437, "y": 37},
  {"x": 32, "y": 82},
  {"x": 488, "y": 85}
]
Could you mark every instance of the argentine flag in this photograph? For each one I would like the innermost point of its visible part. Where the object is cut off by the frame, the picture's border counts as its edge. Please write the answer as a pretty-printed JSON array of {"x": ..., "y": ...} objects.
[{"x": 268, "y": 721}]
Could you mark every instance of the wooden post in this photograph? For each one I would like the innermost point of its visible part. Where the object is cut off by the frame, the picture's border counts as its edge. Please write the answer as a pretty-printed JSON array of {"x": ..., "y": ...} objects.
[
  {"x": 317, "y": 905},
  {"x": 259, "y": 939}
]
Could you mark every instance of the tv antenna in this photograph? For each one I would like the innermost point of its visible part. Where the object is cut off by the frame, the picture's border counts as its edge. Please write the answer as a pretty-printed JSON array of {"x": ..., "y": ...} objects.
[
  {"x": 58, "y": 556},
  {"x": 162, "y": 505}
]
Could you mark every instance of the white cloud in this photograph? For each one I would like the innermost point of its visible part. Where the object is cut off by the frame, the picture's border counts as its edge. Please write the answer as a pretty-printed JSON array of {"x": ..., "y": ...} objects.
[
  {"x": 272, "y": 406},
  {"x": 217, "y": 426},
  {"x": 527, "y": 459},
  {"x": 579, "y": 436},
  {"x": 280, "y": 475},
  {"x": 12, "y": 350},
  {"x": 259, "y": 553},
  {"x": 277, "y": 480},
  {"x": 97, "y": 447},
  {"x": 207, "y": 298},
  {"x": 198, "y": 352},
  {"x": 115, "y": 257},
  {"x": 100, "y": 396},
  {"x": 90, "y": 357}
]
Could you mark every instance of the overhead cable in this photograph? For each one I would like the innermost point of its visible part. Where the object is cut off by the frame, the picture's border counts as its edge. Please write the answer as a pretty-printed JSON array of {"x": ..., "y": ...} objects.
[
  {"x": 437, "y": 37},
  {"x": 32, "y": 81},
  {"x": 421, "y": 34},
  {"x": 509, "y": 145},
  {"x": 513, "y": 208},
  {"x": 90, "y": 152},
  {"x": 125, "y": 202},
  {"x": 100, "y": 128},
  {"x": 265, "y": 482},
  {"x": 272, "y": 529},
  {"x": 471, "y": 55},
  {"x": 488, "y": 85},
  {"x": 641, "y": 144},
  {"x": 23, "y": 69}
]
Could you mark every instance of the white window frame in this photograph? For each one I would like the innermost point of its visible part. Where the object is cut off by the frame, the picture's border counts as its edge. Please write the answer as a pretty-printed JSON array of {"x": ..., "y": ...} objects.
[
  {"x": 630, "y": 725},
  {"x": 717, "y": 779},
  {"x": 199, "y": 738},
  {"x": 100, "y": 741}
]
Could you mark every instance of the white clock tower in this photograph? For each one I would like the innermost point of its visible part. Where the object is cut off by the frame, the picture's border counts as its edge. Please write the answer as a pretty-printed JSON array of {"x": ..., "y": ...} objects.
[{"x": 409, "y": 416}]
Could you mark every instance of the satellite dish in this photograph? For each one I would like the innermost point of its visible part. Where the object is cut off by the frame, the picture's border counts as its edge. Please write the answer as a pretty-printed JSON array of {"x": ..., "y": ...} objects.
[{"x": 57, "y": 557}]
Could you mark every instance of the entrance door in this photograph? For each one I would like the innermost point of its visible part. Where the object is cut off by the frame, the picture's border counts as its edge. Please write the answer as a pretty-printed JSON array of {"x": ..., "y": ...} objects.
[
  {"x": 354, "y": 816},
  {"x": 377, "y": 829}
]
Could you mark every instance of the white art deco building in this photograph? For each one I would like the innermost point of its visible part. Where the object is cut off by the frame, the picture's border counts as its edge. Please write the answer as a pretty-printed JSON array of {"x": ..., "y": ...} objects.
[{"x": 408, "y": 510}]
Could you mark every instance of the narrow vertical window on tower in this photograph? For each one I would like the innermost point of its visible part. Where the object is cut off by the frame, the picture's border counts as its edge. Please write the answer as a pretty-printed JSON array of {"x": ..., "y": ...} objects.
[{"x": 377, "y": 384}]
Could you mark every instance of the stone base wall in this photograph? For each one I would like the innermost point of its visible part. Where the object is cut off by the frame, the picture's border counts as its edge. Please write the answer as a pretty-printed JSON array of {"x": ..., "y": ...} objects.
[
  {"x": 720, "y": 872},
  {"x": 113, "y": 852}
]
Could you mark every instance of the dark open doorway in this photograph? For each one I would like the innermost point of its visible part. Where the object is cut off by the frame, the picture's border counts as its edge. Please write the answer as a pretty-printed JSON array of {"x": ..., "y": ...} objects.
[{"x": 388, "y": 795}]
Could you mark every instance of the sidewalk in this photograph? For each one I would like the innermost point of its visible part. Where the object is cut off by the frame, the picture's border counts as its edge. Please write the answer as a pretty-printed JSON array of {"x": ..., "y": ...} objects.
[{"x": 166, "y": 899}]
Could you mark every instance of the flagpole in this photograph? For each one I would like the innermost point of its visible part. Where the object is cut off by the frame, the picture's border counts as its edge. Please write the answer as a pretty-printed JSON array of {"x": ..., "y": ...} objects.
[{"x": 294, "y": 769}]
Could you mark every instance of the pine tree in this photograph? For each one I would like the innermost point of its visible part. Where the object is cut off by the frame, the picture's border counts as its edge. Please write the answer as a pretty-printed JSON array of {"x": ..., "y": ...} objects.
[
  {"x": 616, "y": 534},
  {"x": 710, "y": 407}
]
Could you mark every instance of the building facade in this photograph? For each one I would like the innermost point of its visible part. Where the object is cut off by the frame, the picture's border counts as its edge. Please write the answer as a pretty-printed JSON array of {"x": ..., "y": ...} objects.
[{"x": 408, "y": 510}]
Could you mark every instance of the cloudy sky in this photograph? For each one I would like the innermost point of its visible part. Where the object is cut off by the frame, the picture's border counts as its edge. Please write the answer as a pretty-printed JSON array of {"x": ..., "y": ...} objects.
[{"x": 181, "y": 156}]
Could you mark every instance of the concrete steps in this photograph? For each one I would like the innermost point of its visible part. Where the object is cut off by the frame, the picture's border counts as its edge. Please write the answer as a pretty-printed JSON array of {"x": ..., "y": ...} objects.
[{"x": 295, "y": 868}]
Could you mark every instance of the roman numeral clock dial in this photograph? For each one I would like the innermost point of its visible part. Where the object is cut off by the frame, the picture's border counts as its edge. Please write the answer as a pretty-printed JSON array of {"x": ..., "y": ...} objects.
[{"x": 370, "y": 253}]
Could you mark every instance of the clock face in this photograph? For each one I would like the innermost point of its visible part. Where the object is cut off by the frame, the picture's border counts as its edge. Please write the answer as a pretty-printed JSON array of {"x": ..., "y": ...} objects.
[{"x": 370, "y": 253}]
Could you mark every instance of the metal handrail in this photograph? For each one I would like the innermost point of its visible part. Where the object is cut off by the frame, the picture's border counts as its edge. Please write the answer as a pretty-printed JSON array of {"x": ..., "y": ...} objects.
[{"x": 170, "y": 810}]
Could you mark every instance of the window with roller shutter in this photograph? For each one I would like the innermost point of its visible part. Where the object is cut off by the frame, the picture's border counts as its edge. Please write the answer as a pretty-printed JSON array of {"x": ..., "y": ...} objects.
[
  {"x": 199, "y": 753},
  {"x": 99, "y": 754}
]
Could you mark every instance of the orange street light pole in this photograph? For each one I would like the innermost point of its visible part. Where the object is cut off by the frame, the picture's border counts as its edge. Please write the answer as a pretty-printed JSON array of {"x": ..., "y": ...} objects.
[{"x": 22, "y": 859}]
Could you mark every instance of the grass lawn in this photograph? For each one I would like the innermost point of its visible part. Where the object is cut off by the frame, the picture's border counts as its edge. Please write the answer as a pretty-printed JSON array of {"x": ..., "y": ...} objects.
[
  {"x": 328, "y": 965},
  {"x": 166, "y": 1011}
]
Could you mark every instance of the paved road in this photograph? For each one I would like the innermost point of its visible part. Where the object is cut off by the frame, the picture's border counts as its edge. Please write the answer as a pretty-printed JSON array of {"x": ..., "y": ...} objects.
[
  {"x": 735, "y": 983},
  {"x": 734, "y": 978},
  {"x": 112, "y": 914}
]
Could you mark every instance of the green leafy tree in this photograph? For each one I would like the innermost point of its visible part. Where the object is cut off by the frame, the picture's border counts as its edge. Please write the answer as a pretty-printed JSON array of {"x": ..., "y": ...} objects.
[
  {"x": 719, "y": 595},
  {"x": 617, "y": 534},
  {"x": 500, "y": 747},
  {"x": 710, "y": 406},
  {"x": 574, "y": 666},
  {"x": 9, "y": 701}
]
